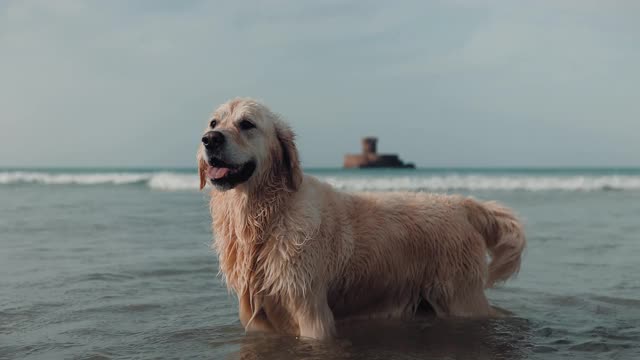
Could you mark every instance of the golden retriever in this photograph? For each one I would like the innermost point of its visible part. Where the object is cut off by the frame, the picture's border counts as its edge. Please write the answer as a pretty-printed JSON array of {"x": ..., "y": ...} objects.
[{"x": 300, "y": 255}]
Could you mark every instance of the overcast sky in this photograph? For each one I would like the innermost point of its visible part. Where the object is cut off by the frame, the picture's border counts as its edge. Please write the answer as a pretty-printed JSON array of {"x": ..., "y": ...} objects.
[{"x": 442, "y": 83}]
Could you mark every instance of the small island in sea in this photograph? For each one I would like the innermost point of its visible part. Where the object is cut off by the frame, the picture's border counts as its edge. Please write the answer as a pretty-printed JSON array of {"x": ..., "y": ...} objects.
[{"x": 371, "y": 159}]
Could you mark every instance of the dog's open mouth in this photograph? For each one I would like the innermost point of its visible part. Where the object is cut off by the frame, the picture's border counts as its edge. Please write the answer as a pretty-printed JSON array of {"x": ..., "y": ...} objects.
[{"x": 227, "y": 176}]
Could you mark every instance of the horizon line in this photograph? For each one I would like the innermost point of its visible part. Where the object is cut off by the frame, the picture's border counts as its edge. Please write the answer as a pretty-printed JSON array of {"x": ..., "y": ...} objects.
[{"x": 452, "y": 167}]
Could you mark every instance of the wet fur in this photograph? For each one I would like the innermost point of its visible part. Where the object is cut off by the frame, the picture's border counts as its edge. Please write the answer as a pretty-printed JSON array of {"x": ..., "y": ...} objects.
[{"x": 300, "y": 255}]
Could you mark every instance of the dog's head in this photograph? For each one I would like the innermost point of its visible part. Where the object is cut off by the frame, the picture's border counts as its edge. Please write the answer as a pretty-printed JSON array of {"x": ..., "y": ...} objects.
[{"x": 245, "y": 144}]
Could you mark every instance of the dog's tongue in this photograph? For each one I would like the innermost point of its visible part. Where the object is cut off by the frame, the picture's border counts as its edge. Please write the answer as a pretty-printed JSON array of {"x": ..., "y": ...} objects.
[{"x": 217, "y": 173}]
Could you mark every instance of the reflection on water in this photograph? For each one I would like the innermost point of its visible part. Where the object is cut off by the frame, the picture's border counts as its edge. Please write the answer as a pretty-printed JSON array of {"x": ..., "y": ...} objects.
[{"x": 507, "y": 338}]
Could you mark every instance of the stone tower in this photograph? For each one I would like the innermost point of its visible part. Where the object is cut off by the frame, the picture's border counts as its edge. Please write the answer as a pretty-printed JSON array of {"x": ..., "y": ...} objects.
[
  {"x": 370, "y": 145},
  {"x": 369, "y": 158}
]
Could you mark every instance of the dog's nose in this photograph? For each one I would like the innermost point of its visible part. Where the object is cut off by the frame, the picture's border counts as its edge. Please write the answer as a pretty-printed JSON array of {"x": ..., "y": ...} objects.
[{"x": 213, "y": 139}]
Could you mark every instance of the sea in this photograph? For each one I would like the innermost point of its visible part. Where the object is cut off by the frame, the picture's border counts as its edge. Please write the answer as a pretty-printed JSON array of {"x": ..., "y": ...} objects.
[{"x": 117, "y": 264}]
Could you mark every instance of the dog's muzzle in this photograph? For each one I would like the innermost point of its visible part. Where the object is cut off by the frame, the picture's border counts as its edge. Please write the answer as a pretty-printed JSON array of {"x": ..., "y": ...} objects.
[{"x": 223, "y": 173}]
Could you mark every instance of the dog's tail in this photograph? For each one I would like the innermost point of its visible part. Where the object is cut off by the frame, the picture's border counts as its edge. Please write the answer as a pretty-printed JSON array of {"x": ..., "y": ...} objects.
[{"x": 503, "y": 235}]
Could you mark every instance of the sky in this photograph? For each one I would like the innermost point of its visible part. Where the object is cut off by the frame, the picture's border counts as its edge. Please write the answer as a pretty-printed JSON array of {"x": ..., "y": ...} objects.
[{"x": 443, "y": 83}]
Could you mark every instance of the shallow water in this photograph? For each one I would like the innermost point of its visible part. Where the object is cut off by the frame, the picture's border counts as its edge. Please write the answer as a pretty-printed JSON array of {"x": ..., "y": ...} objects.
[{"x": 124, "y": 271}]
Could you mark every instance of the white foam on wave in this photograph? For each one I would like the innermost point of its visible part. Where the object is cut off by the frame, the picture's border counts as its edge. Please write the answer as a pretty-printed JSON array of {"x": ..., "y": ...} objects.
[
  {"x": 155, "y": 180},
  {"x": 44, "y": 178},
  {"x": 488, "y": 182},
  {"x": 172, "y": 181}
]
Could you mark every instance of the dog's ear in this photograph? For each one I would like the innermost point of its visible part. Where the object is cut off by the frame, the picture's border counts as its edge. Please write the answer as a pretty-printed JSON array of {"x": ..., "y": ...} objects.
[
  {"x": 202, "y": 171},
  {"x": 290, "y": 160}
]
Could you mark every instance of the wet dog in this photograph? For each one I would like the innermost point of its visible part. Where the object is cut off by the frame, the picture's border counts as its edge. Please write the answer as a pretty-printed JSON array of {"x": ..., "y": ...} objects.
[{"x": 301, "y": 255}]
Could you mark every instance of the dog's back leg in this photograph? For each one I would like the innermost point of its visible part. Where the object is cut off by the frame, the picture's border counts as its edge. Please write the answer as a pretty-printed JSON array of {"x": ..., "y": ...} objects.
[
  {"x": 463, "y": 301},
  {"x": 470, "y": 302}
]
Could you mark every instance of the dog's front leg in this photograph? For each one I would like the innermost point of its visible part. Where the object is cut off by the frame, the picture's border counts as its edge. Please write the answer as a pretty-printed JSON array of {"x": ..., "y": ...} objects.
[
  {"x": 314, "y": 318},
  {"x": 252, "y": 322}
]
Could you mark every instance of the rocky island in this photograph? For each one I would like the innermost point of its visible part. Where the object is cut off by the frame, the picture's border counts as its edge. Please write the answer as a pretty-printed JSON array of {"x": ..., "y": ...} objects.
[{"x": 371, "y": 159}]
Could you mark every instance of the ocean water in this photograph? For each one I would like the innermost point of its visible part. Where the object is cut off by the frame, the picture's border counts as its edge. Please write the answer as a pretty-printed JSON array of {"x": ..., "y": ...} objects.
[{"x": 116, "y": 264}]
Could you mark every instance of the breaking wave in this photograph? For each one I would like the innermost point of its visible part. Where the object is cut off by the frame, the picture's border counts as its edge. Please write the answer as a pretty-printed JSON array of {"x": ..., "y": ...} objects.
[
  {"x": 22, "y": 177},
  {"x": 176, "y": 181},
  {"x": 154, "y": 180},
  {"x": 490, "y": 182}
]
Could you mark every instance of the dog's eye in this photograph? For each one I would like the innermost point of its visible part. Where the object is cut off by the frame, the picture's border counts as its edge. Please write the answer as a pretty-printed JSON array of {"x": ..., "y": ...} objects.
[
  {"x": 213, "y": 123},
  {"x": 246, "y": 124}
]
